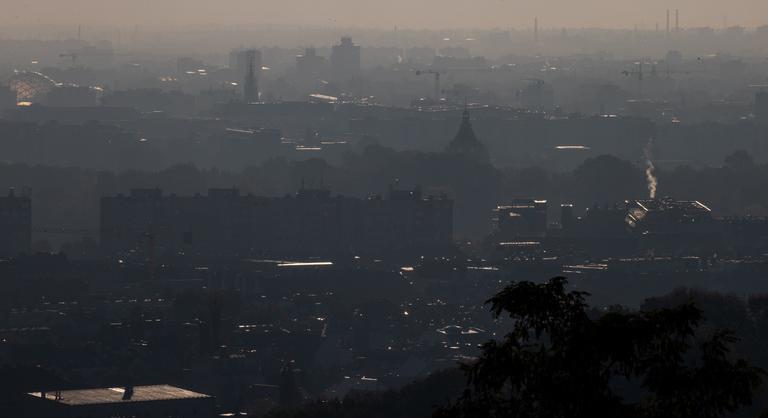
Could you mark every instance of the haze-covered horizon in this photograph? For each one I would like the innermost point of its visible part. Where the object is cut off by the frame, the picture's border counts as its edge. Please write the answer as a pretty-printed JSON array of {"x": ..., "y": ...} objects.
[{"x": 425, "y": 14}]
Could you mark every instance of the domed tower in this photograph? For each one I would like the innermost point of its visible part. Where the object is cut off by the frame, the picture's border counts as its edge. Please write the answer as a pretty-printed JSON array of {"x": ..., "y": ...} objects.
[
  {"x": 466, "y": 143},
  {"x": 30, "y": 86}
]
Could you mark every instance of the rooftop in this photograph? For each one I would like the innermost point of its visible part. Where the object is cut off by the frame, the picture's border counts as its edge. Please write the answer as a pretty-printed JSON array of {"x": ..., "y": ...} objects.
[
  {"x": 115, "y": 395},
  {"x": 466, "y": 141},
  {"x": 667, "y": 204}
]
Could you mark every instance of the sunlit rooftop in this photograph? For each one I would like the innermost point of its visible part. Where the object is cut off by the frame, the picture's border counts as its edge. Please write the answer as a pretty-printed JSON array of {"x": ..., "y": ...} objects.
[{"x": 116, "y": 394}]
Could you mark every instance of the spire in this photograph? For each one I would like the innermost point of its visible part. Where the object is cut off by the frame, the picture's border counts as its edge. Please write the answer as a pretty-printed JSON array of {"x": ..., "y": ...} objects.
[{"x": 465, "y": 142}]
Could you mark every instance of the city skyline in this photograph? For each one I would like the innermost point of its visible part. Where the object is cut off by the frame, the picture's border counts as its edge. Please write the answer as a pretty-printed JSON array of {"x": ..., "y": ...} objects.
[{"x": 425, "y": 209}]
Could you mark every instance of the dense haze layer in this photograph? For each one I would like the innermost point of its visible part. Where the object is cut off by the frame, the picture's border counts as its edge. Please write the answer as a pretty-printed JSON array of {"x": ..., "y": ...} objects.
[{"x": 429, "y": 14}]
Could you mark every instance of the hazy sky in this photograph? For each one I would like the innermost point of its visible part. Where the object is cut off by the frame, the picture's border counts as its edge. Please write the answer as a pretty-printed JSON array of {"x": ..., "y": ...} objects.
[{"x": 387, "y": 13}]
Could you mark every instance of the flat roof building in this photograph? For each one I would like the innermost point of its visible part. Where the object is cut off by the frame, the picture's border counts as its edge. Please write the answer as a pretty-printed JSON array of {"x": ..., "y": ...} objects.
[
  {"x": 310, "y": 223},
  {"x": 139, "y": 401},
  {"x": 345, "y": 59},
  {"x": 523, "y": 218}
]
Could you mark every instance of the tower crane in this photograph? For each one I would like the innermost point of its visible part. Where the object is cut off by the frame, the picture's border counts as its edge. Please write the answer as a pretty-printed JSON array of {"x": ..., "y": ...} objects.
[
  {"x": 436, "y": 75},
  {"x": 640, "y": 74}
]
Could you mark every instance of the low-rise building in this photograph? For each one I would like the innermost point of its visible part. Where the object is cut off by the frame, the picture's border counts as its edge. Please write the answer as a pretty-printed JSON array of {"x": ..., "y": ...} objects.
[{"x": 141, "y": 401}]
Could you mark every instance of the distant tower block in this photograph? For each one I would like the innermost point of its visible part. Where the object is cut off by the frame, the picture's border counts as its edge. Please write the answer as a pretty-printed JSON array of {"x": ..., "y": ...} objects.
[
  {"x": 250, "y": 86},
  {"x": 250, "y": 91},
  {"x": 247, "y": 64},
  {"x": 566, "y": 216},
  {"x": 345, "y": 59},
  {"x": 761, "y": 107}
]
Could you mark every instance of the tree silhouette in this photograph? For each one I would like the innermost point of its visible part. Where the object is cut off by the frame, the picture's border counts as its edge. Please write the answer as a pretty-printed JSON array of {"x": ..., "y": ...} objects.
[{"x": 560, "y": 361}]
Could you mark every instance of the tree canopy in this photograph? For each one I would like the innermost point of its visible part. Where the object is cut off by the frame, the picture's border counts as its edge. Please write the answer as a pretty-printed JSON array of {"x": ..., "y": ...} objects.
[{"x": 560, "y": 359}]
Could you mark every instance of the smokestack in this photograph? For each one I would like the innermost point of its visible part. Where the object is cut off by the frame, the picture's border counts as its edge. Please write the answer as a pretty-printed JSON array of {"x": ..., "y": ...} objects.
[
  {"x": 536, "y": 29},
  {"x": 677, "y": 20},
  {"x": 650, "y": 176},
  {"x": 667, "y": 21}
]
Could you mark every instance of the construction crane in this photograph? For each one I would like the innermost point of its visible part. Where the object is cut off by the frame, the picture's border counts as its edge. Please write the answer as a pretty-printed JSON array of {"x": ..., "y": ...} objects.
[
  {"x": 76, "y": 55},
  {"x": 437, "y": 75},
  {"x": 640, "y": 73}
]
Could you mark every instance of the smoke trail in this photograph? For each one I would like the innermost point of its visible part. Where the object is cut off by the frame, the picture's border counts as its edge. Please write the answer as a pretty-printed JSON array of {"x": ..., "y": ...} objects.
[{"x": 650, "y": 177}]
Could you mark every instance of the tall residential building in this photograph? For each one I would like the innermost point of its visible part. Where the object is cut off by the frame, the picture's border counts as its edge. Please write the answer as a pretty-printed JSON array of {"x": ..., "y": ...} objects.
[
  {"x": 761, "y": 107},
  {"x": 311, "y": 223},
  {"x": 345, "y": 59},
  {"x": 15, "y": 225},
  {"x": 309, "y": 64},
  {"x": 247, "y": 64}
]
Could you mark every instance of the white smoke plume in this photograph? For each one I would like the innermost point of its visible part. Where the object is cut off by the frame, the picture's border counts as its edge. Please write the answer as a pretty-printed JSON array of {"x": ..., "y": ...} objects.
[{"x": 650, "y": 177}]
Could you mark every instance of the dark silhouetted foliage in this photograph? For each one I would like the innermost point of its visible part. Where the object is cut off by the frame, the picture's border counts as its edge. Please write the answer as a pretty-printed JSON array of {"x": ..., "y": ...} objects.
[{"x": 559, "y": 361}]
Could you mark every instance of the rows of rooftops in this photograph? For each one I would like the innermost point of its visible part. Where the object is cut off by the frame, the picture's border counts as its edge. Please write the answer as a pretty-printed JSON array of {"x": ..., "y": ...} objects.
[
  {"x": 304, "y": 193},
  {"x": 670, "y": 204}
]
